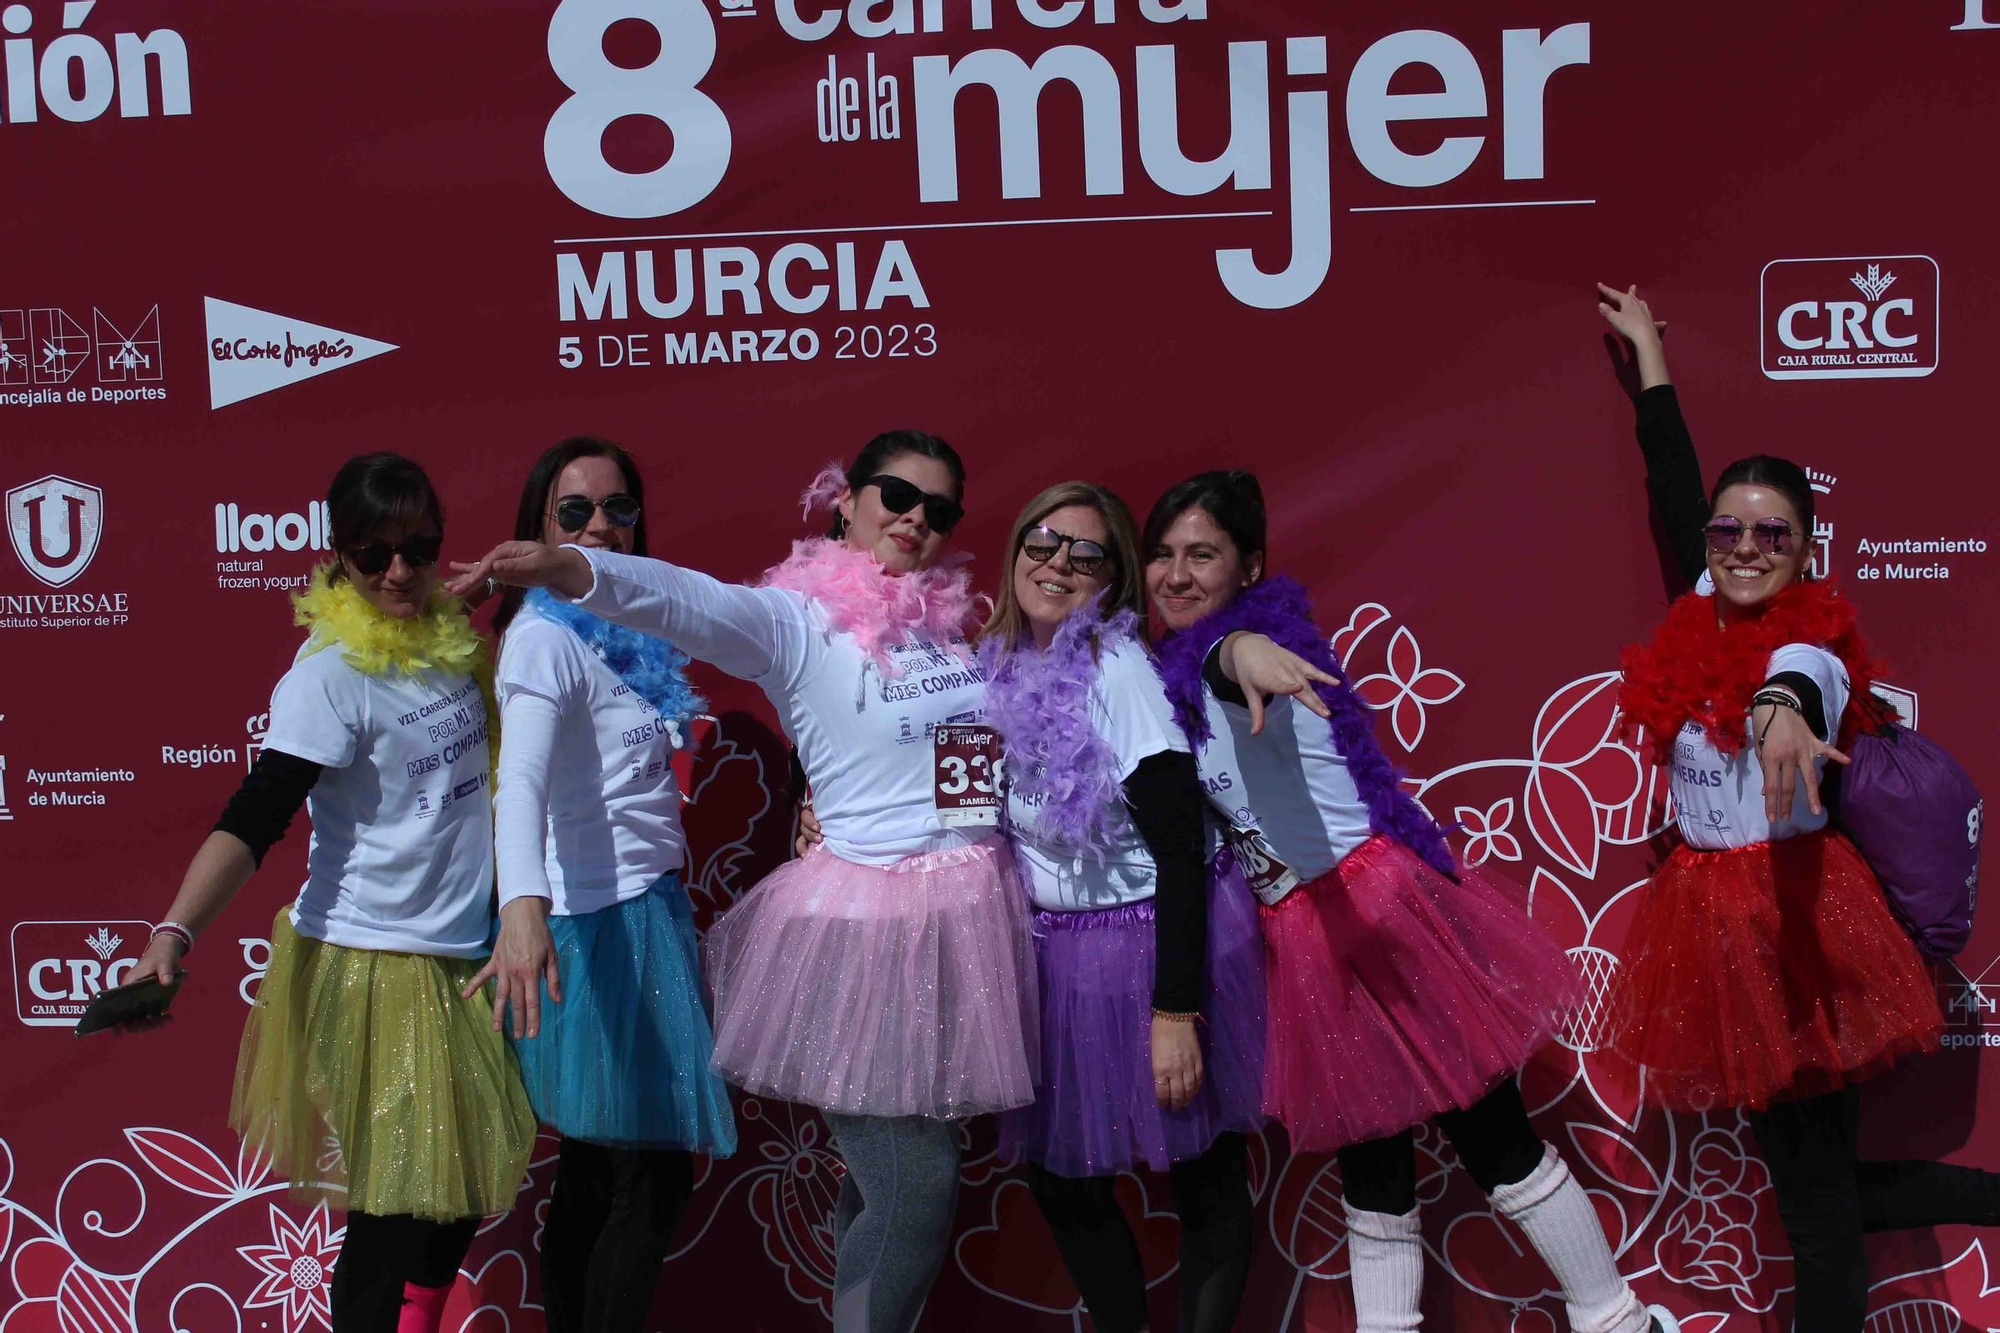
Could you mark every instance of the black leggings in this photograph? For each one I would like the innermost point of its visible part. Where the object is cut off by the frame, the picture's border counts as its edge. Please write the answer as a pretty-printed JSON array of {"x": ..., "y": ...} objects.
[
  {"x": 1212, "y": 1195},
  {"x": 1493, "y": 1137},
  {"x": 611, "y": 1223},
  {"x": 380, "y": 1254},
  {"x": 1828, "y": 1200}
]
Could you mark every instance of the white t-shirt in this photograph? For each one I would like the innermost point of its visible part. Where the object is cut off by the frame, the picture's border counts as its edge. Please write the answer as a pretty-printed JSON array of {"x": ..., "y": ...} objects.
[
  {"x": 402, "y": 820},
  {"x": 1291, "y": 807},
  {"x": 587, "y": 813},
  {"x": 899, "y": 766},
  {"x": 1129, "y": 709},
  {"x": 1718, "y": 801}
]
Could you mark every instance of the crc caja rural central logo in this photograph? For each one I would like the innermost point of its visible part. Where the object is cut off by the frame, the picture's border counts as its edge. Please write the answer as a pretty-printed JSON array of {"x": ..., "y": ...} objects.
[
  {"x": 1861, "y": 317},
  {"x": 60, "y": 965}
]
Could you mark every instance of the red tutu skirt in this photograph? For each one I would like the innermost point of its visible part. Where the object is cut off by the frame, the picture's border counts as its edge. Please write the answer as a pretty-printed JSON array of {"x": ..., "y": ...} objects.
[
  {"x": 1766, "y": 972},
  {"x": 1395, "y": 994}
]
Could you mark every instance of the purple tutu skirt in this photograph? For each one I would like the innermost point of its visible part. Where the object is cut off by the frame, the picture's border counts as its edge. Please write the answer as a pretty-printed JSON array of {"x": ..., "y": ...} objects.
[
  {"x": 1096, "y": 1112},
  {"x": 880, "y": 990},
  {"x": 1396, "y": 994}
]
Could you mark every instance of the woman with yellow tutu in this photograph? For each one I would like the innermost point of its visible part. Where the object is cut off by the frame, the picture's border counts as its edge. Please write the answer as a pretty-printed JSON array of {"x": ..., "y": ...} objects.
[{"x": 362, "y": 1068}]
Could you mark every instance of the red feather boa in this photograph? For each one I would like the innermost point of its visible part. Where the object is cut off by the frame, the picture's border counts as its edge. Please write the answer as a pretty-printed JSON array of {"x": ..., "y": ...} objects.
[{"x": 1698, "y": 669}]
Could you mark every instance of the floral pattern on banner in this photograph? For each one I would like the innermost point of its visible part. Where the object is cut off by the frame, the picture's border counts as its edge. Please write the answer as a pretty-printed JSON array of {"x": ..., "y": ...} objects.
[{"x": 180, "y": 1229}]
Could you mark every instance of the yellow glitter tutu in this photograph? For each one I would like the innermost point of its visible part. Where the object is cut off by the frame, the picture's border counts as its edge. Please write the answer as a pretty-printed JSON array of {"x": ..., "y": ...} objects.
[{"x": 366, "y": 1073}]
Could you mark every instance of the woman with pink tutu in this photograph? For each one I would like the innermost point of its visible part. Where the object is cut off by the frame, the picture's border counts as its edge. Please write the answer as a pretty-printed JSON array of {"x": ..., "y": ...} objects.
[
  {"x": 1403, "y": 987},
  {"x": 1151, "y": 971},
  {"x": 887, "y": 977}
]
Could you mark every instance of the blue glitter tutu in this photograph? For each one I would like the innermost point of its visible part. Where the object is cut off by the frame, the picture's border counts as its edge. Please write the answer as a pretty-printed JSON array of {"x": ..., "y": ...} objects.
[{"x": 623, "y": 1060}]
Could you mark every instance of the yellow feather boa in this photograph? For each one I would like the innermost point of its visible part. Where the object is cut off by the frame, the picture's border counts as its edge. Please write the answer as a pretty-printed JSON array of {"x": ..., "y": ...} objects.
[{"x": 333, "y": 611}]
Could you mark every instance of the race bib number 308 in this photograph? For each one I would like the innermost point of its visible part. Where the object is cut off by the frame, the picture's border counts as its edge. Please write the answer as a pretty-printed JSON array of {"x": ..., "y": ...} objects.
[
  {"x": 1268, "y": 877},
  {"x": 966, "y": 764}
]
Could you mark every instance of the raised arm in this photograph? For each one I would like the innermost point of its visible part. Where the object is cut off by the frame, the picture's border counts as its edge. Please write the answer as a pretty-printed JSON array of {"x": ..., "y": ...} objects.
[{"x": 1673, "y": 471}]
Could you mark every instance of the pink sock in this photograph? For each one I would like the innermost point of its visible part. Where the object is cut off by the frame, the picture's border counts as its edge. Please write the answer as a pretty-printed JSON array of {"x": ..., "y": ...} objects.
[{"x": 423, "y": 1308}]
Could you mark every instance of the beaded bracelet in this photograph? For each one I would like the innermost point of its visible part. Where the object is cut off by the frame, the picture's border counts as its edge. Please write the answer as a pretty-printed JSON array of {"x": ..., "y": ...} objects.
[
  {"x": 178, "y": 931},
  {"x": 1173, "y": 1017}
]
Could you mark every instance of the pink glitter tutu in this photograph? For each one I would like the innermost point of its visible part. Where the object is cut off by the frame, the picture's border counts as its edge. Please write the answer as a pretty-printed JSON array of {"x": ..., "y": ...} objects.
[
  {"x": 880, "y": 990},
  {"x": 1396, "y": 994}
]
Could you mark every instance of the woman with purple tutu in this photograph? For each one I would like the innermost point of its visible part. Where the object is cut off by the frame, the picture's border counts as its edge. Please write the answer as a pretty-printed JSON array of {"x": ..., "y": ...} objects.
[
  {"x": 887, "y": 977},
  {"x": 1152, "y": 1003},
  {"x": 1403, "y": 987}
]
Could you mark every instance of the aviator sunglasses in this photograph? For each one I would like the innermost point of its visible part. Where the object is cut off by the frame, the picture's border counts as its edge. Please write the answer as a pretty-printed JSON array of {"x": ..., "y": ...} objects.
[
  {"x": 900, "y": 497},
  {"x": 573, "y": 512},
  {"x": 418, "y": 552},
  {"x": 1086, "y": 557},
  {"x": 1772, "y": 535}
]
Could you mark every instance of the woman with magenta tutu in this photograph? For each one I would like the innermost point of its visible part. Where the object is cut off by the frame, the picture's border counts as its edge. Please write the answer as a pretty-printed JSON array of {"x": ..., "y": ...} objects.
[
  {"x": 370, "y": 1069},
  {"x": 590, "y": 848},
  {"x": 1151, "y": 971},
  {"x": 887, "y": 978},
  {"x": 1763, "y": 969},
  {"x": 1403, "y": 987}
]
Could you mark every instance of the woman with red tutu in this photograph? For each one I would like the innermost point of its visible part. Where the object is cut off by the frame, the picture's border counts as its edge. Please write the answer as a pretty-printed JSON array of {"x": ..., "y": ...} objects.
[
  {"x": 1763, "y": 969},
  {"x": 887, "y": 978},
  {"x": 1402, "y": 986},
  {"x": 1152, "y": 1004}
]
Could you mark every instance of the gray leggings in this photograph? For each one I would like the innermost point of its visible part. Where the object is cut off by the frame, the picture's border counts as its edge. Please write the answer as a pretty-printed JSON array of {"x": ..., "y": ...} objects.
[{"x": 893, "y": 1222}]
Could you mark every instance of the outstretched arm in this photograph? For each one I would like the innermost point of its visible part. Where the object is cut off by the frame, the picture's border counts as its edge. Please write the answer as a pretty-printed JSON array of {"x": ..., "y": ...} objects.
[{"x": 1673, "y": 471}]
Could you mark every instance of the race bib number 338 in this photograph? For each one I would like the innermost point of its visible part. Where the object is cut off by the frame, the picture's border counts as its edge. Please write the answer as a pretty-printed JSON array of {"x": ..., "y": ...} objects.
[{"x": 966, "y": 764}]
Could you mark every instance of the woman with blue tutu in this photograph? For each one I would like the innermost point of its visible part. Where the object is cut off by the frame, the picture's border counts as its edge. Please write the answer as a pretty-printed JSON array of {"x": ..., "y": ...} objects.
[
  {"x": 590, "y": 849},
  {"x": 886, "y": 978},
  {"x": 370, "y": 1068},
  {"x": 1152, "y": 995},
  {"x": 1403, "y": 987}
]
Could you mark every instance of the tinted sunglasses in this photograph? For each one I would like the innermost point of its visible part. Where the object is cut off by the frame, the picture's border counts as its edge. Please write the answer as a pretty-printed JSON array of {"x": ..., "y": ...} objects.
[
  {"x": 900, "y": 497},
  {"x": 376, "y": 557},
  {"x": 573, "y": 511},
  {"x": 1086, "y": 557},
  {"x": 1772, "y": 535}
]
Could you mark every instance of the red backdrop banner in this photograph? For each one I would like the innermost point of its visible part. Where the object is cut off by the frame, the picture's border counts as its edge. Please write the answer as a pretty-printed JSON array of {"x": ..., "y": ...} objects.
[{"x": 1351, "y": 247}]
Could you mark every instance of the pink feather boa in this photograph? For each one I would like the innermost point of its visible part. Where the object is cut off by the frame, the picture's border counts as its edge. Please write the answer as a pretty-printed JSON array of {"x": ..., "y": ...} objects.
[{"x": 878, "y": 609}]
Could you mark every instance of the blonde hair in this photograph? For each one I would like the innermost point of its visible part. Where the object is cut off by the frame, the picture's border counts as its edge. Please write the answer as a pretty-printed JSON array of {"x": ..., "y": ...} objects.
[{"x": 1124, "y": 590}]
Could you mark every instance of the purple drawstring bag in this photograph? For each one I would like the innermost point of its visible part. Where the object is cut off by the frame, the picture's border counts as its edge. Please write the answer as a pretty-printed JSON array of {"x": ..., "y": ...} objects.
[{"x": 1915, "y": 817}]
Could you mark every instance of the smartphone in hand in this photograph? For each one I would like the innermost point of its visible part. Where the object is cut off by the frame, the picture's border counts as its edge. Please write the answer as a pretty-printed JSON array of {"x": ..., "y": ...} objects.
[{"x": 133, "y": 1002}]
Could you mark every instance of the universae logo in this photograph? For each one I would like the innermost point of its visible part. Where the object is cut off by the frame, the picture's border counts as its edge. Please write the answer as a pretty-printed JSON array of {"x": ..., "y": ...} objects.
[
  {"x": 1813, "y": 327},
  {"x": 55, "y": 524}
]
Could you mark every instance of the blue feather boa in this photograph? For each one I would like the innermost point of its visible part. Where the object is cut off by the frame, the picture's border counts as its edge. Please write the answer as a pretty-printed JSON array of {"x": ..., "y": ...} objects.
[{"x": 655, "y": 670}]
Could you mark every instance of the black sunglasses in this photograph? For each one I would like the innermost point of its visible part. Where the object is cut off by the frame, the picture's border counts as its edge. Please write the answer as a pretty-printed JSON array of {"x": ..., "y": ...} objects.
[
  {"x": 573, "y": 511},
  {"x": 376, "y": 557},
  {"x": 900, "y": 497},
  {"x": 1086, "y": 557}
]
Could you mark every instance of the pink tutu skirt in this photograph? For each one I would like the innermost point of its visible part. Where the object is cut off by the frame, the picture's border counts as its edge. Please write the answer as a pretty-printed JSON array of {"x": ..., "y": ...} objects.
[
  {"x": 1396, "y": 994},
  {"x": 880, "y": 990}
]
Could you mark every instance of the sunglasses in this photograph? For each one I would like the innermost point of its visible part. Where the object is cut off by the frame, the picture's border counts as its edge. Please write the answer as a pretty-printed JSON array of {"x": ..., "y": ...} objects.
[
  {"x": 573, "y": 511},
  {"x": 376, "y": 557},
  {"x": 1772, "y": 535},
  {"x": 900, "y": 497},
  {"x": 1086, "y": 557}
]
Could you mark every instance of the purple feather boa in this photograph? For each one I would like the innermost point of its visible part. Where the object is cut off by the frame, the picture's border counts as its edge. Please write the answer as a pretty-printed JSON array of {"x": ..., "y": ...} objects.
[
  {"x": 1039, "y": 702},
  {"x": 1279, "y": 609}
]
